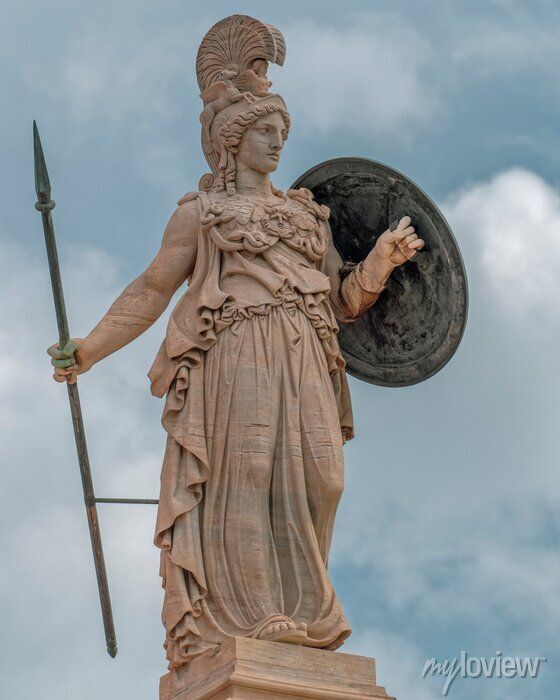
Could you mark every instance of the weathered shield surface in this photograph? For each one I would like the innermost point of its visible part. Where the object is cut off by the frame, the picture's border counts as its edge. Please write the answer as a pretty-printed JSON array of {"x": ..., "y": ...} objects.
[{"x": 418, "y": 321}]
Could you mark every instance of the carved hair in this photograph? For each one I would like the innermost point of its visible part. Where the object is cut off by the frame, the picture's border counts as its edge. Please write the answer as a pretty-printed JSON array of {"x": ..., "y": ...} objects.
[{"x": 231, "y": 134}]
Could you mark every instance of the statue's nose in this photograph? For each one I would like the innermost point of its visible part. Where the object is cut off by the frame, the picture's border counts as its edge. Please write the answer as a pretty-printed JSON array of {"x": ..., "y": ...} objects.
[{"x": 277, "y": 143}]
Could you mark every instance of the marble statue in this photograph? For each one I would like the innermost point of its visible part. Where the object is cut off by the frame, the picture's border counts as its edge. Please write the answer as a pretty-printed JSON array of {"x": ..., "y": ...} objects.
[{"x": 257, "y": 407}]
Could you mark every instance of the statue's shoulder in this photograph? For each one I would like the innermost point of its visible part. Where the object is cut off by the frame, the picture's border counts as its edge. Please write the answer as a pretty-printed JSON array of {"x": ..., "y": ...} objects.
[
  {"x": 189, "y": 200},
  {"x": 301, "y": 195},
  {"x": 185, "y": 220},
  {"x": 305, "y": 199},
  {"x": 205, "y": 199},
  {"x": 199, "y": 203}
]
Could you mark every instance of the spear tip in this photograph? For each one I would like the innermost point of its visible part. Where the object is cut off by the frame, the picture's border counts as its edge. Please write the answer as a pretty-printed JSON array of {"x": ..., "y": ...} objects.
[{"x": 42, "y": 183}]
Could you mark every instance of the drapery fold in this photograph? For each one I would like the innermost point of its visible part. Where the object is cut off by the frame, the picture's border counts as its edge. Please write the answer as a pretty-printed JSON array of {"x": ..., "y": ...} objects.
[{"x": 256, "y": 405}]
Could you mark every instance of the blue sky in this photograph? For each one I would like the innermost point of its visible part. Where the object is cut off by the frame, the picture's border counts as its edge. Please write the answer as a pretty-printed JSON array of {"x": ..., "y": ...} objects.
[{"x": 447, "y": 538}]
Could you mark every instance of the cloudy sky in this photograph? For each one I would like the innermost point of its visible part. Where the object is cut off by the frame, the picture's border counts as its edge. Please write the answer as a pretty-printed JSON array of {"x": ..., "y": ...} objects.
[{"x": 448, "y": 536}]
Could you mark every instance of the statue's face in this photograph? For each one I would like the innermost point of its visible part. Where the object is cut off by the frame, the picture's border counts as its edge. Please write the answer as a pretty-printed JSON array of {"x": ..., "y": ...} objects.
[{"x": 262, "y": 142}]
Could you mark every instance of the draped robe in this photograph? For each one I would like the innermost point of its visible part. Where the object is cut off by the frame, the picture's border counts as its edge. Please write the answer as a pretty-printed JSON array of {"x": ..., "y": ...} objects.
[{"x": 256, "y": 412}]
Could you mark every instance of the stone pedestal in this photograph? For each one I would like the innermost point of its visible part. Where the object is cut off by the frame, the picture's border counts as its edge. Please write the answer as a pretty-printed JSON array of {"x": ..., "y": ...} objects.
[{"x": 254, "y": 670}]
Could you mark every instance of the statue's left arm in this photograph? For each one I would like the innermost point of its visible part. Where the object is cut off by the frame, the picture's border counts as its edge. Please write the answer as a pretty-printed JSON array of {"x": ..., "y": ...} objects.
[{"x": 354, "y": 288}]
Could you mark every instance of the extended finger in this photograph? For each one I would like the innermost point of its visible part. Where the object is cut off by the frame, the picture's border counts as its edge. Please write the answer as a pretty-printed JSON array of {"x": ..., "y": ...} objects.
[
  {"x": 409, "y": 251},
  {"x": 404, "y": 223},
  {"x": 412, "y": 249},
  {"x": 409, "y": 239},
  {"x": 398, "y": 235},
  {"x": 418, "y": 244}
]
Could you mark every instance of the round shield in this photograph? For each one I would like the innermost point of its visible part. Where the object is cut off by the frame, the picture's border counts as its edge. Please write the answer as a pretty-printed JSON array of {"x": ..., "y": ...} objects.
[{"x": 417, "y": 323}]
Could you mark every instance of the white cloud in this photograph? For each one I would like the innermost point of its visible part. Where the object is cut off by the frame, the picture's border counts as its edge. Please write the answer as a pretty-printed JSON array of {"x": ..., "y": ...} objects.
[
  {"x": 125, "y": 435},
  {"x": 116, "y": 73},
  {"x": 368, "y": 77},
  {"x": 456, "y": 562},
  {"x": 515, "y": 220},
  {"x": 399, "y": 664},
  {"x": 117, "y": 84},
  {"x": 520, "y": 46},
  {"x": 47, "y": 570}
]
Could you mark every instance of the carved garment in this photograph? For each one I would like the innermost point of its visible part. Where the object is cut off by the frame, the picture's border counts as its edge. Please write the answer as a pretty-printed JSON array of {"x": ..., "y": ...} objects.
[{"x": 256, "y": 410}]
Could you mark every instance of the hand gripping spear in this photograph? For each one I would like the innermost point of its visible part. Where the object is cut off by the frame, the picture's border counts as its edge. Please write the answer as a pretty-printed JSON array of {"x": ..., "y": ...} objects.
[{"x": 45, "y": 205}]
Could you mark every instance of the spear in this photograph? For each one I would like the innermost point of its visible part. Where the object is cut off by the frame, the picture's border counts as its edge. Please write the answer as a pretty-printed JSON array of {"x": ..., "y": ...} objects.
[{"x": 45, "y": 205}]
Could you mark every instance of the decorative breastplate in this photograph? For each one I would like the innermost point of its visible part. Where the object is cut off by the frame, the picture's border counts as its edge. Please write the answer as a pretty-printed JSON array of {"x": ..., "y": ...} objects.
[{"x": 238, "y": 223}]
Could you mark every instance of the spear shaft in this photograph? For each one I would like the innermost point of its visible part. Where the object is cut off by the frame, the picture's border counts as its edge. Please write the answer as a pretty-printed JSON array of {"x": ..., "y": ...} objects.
[{"x": 45, "y": 205}]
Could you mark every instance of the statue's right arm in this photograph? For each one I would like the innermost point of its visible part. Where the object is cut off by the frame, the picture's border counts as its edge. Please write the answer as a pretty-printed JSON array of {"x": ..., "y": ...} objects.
[{"x": 143, "y": 301}]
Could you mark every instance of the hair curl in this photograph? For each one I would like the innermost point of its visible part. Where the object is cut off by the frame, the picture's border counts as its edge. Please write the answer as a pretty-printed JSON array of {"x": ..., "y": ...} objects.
[{"x": 230, "y": 135}]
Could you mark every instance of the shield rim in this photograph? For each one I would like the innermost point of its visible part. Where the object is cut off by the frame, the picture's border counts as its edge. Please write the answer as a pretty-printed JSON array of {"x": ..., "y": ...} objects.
[{"x": 452, "y": 340}]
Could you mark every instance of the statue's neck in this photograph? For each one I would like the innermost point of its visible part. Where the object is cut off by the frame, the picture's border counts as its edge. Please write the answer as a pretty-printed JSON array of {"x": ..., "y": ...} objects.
[{"x": 250, "y": 182}]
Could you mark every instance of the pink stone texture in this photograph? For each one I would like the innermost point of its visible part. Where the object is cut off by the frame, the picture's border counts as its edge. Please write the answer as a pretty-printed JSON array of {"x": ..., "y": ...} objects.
[{"x": 255, "y": 670}]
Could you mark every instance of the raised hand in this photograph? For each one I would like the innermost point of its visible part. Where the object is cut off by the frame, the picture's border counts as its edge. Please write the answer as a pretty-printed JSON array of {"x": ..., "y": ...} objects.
[{"x": 400, "y": 245}]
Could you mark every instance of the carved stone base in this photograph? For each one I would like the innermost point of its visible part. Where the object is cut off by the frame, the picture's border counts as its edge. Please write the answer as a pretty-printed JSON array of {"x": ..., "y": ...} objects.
[{"x": 254, "y": 670}]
